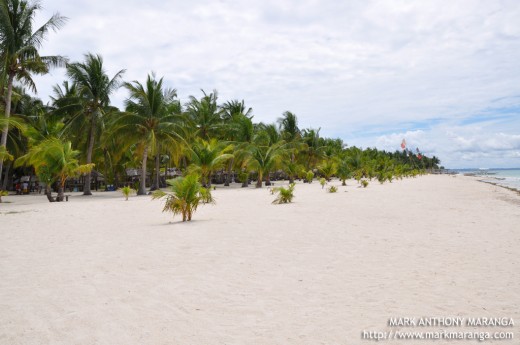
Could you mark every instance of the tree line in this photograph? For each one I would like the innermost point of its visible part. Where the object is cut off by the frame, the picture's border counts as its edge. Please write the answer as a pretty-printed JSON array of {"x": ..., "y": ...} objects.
[{"x": 79, "y": 130}]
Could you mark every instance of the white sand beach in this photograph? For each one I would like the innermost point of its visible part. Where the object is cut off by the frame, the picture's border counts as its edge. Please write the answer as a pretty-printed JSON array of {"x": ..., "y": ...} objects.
[{"x": 100, "y": 270}]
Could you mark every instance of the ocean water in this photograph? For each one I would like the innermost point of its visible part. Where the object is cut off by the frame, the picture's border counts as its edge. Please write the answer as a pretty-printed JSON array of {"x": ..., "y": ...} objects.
[{"x": 504, "y": 177}]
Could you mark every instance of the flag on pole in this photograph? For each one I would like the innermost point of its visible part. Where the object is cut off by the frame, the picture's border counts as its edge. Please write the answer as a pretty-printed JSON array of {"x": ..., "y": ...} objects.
[{"x": 403, "y": 144}]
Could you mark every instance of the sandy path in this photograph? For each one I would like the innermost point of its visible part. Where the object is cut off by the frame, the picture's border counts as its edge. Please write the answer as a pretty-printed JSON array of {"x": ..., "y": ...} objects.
[{"x": 319, "y": 271}]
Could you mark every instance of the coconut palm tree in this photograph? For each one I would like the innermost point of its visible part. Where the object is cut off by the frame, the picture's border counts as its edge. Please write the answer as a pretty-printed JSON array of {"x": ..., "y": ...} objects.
[
  {"x": 94, "y": 90},
  {"x": 147, "y": 120},
  {"x": 185, "y": 196},
  {"x": 19, "y": 46},
  {"x": 54, "y": 161},
  {"x": 263, "y": 159},
  {"x": 238, "y": 128},
  {"x": 208, "y": 156},
  {"x": 292, "y": 135},
  {"x": 204, "y": 117}
]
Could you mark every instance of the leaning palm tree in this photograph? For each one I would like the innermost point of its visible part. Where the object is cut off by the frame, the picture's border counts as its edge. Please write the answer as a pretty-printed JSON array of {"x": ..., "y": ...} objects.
[
  {"x": 94, "y": 88},
  {"x": 19, "y": 47},
  {"x": 185, "y": 196},
  {"x": 147, "y": 120}
]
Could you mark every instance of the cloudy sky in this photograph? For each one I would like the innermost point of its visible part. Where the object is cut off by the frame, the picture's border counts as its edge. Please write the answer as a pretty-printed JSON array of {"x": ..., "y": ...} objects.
[{"x": 443, "y": 74}]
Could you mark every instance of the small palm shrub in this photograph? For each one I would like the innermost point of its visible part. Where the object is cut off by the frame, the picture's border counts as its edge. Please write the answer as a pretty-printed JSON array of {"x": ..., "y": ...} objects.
[
  {"x": 323, "y": 182},
  {"x": 186, "y": 193},
  {"x": 364, "y": 183},
  {"x": 3, "y": 193},
  {"x": 309, "y": 176},
  {"x": 285, "y": 195},
  {"x": 127, "y": 190},
  {"x": 332, "y": 189}
]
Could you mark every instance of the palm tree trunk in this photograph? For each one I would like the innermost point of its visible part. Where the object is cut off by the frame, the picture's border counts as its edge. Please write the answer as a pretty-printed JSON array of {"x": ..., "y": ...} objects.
[
  {"x": 259, "y": 180},
  {"x": 6, "y": 178},
  {"x": 86, "y": 189},
  {"x": 142, "y": 182},
  {"x": 5, "y": 130},
  {"x": 48, "y": 192},
  {"x": 156, "y": 183},
  {"x": 268, "y": 179},
  {"x": 230, "y": 167}
]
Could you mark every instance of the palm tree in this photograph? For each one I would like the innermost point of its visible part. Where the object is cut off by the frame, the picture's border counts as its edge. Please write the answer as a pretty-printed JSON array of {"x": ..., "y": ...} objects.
[
  {"x": 19, "y": 47},
  {"x": 264, "y": 159},
  {"x": 204, "y": 116},
  {"x": 148, "y": 120},
  {"x": 208, "y": 156},
  {"x": 186, "y": 195},
  {"x": 343, "y": 171},
  {"x": 94, "y": 89},
  {"x": 54, "y": 160},
  {"x": 239, "y": 128},
  {"x": 292, "y": 136}
]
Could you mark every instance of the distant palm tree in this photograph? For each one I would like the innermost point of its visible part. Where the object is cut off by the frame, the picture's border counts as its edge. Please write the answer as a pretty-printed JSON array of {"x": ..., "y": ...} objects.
[
  {"x": 94, "y": 89},
  {"x": 19, "y": 47},
  {"x": 204, "y": 116},
  {"x": 208, "y": 156},
  {"x": 264, "y": 159},
  {"x": 292, "y": 135},
  {"x": 147, "y": 120}
]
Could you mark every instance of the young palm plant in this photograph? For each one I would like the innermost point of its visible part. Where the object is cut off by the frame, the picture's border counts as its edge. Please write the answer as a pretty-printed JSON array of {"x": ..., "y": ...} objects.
[
  {"x": 285, "y": 195},
  {"x": 3, "y": 193},
  {"x": 185, "y": 196},
  {"x": 127, "y": 190}
]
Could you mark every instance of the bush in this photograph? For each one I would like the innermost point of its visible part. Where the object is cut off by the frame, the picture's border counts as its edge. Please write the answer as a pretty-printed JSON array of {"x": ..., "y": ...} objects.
[
  {"x": 364, "y": 183},
  {"x": 285, "y": 195},
  {"x": 332, "y": 189}
]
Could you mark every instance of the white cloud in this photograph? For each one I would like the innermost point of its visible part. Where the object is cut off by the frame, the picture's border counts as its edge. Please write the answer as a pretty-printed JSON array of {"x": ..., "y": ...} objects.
[{"x": 341, "y": 66}]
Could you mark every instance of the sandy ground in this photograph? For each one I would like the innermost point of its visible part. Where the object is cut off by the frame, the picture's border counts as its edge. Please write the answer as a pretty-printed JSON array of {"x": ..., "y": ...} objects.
[{"x": 99, "y": 270}]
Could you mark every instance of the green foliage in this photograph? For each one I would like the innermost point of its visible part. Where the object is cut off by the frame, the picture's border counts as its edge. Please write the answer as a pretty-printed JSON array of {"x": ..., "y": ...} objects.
[
  {"x": 309, "y": 176},
  {"x": 343, "y": 171},
  {"x": 364, "y": 183},
  {"x": 323, "y": 182},
  {"x": 332, "y": 189},
  {"x": 3, "y": 193},
  {"x": 328, "y": 169},
  {"x": 54, "y": 160},
  {"x": 285, "y": 195},
  {"x": 186, "y": 193},
  {"x": 127, "y": 190}
]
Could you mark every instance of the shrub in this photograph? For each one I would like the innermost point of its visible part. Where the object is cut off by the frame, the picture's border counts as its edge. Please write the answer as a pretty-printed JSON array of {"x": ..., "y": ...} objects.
[
  {"x": 285, "y": 195},
  {"x": 332, "y": 189},
  {"x": 364, "y": 183}
]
